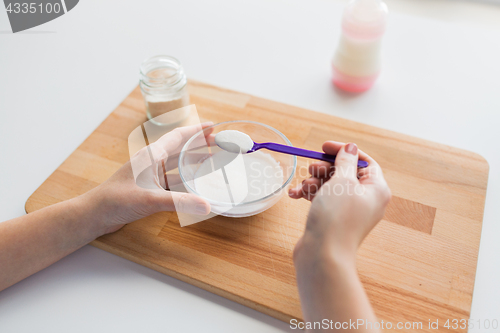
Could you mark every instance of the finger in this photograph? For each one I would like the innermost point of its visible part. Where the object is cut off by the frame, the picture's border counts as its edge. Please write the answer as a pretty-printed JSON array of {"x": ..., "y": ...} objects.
[
  {"x": 166, "y": 149},
  {"x": 307, "y": 189},
  {"x": 160, "y": 149},
  {"x": 211, "y": 140},
  {"x": 312, "y": 185},
  {"x": 365, "y": 157},
  {"x": 208, "y": 131},
  {"x": 172, "y": 162},
  {"x": 372, "y": 174},
  {"x": 142, "y": 160},
  {"x": 172, "y": 142},
  {"x": 332, "y": 147},
  {"x": 346, "y": 162},
  {"x": 369, "y": 170},
  {"x": 181, "y": 202},
  {"x": 296, "y": 193},
  {"x": 321, "y": 169}
]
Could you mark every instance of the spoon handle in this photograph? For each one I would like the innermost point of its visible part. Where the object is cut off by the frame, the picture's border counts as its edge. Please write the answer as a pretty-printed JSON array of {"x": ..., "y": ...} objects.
[{"x": 300, "y": 152}]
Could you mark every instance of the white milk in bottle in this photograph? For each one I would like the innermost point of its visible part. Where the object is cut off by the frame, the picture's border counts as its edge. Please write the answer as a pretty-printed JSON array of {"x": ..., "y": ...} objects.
[{"x": 356, "y": 63}]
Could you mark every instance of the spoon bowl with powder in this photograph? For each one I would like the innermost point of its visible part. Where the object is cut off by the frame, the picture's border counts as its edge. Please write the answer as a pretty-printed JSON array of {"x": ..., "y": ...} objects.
[{"x": 238, "y": 142}]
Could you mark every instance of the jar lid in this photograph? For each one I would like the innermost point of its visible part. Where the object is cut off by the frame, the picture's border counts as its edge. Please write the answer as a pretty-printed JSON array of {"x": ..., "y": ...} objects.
[{"x": 161, "y": 70}]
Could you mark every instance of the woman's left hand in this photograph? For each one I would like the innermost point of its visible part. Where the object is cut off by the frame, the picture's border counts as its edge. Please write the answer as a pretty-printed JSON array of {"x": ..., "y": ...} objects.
[{"x": 132, "y": 193}]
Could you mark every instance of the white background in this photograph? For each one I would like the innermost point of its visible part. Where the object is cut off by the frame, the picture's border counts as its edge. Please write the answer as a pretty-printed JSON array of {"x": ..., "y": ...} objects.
[{"x": 58, "y": 81}]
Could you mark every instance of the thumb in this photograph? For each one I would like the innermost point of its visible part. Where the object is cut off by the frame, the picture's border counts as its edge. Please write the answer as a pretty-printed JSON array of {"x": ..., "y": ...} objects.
[
  {"x": 346, "y": 161},
  {"x": 181, "y": 202}
]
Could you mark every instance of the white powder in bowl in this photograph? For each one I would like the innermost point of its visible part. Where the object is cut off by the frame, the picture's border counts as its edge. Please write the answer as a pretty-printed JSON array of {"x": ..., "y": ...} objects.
[
  {"x": 234, "y": 141},
  {"x": 235, "y": 178}
]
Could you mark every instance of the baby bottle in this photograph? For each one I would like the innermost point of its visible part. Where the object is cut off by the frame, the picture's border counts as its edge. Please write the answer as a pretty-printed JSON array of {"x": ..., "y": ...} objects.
[{"x": 356, "y": 63}]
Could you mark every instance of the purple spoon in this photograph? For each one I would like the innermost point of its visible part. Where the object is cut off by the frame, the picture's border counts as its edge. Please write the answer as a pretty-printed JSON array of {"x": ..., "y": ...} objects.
[
  {"x": 236, "y": 141},
  {"x": 299, "y": 152}
]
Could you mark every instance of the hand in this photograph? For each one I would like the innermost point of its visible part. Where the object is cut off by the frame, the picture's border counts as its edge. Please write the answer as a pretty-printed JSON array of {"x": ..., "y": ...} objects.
[
  {"x": 135, "y": 190},
  {"x": 346, "y": 204}
]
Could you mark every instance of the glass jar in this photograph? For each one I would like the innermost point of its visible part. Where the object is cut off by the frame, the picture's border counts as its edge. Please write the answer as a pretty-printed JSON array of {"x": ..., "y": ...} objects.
[{"x": 164, "y": 87}]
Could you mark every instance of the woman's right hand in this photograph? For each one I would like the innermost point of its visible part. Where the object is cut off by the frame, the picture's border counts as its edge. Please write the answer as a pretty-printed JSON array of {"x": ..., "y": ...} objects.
[{"x": 346, "y": 203}]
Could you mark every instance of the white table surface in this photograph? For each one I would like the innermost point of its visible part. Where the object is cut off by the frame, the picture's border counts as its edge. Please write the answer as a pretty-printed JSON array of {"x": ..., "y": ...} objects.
[{"x": 58, "y": 81}]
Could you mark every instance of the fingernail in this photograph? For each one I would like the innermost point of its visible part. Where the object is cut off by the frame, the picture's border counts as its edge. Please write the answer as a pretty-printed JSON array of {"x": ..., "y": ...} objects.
[
  {"x": 201, "y": 209},
  {"x": 351, "y": 148},
  {"x": 303, "y": 182}
]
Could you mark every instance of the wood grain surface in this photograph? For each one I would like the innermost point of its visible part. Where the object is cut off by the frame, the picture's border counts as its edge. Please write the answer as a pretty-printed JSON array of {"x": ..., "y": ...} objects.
[{"x": 419, "y": 263}]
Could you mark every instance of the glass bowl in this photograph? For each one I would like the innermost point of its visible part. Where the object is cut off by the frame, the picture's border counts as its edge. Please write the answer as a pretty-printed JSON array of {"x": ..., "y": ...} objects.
[{"x": 197, "y": 150}]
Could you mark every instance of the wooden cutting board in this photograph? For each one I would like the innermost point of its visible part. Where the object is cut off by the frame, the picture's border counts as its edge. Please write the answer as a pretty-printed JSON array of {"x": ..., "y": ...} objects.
[{"x": 419, "y": 263}]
